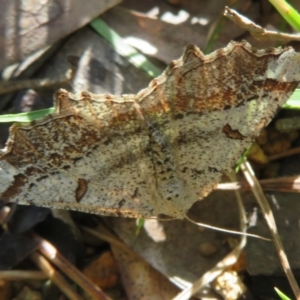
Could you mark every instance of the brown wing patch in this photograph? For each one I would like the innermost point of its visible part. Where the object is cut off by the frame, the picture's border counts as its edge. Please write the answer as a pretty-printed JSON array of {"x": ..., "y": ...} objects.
[
  {"x": 15, "y": 188},
  {"x": 232, "y": 134},
  {"x": 81, "y": 189}
]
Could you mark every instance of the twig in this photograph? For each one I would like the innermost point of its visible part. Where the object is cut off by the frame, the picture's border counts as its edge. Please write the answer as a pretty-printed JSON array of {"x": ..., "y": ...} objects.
[
  {"x": 16, "y": 85},
  {"x": 55, "y": 276},
  {"x": 289, "y": 184},
  {"x": 227, "y": 261},
  {"x": 4, "y": 214},
  {"x": 23, "y": 275},
  {"x": 264, "y": 205},
  {"x": 287, "y": 153},
  {"x": 71, "y": 271},
  {"x": 108, "y": 237},
  {"x": 257, "y": 31},
  {"x": 227, "y": 230}
]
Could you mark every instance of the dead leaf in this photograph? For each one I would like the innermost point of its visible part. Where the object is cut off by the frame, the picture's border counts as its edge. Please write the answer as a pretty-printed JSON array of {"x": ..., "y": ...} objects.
[
  {"x": 140, "y": 280},
  {"x": 42, "y": 24},
  {"x": 102, "y": 271}
]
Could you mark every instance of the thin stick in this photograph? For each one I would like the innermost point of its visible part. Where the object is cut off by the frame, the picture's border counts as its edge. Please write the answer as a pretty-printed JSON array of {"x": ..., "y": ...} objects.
[
  {"x": 287, "y": 153},
  {"x": 227, "y": 230},
  {"x": 23, "y": 275},
  {"x": 264, "y": 205},
  {"x": 227, "y": 261},
  {"x": 17, "y": 85},
  {"x": 289, "y": 184},
  {"x": 55, "y": 276},
  {"x": 108, "y": 237},
  {"x": 256, "y": 31},
  {"x": 71, "y": 271}
]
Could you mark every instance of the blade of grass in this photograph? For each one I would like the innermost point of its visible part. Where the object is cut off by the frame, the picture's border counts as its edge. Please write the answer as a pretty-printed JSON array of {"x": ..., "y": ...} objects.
[
  {"x": 213, "y": 35},
  {"x": 136, "y": 58},
  {"x": 269, "y": 217},
  {"x": 139, "y": 225},
  {"x": 215, "y": 30},
  {"x": 293, "y": 103},
  {"x": 288, "y": 13},
  {"x": 26, "y": 117},
  {"x": 281, "y": 294}
]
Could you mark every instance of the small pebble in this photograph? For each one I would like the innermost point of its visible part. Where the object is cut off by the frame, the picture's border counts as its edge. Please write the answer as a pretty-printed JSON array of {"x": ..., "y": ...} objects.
[
  {"x": 207, "y": 249},
  {"x": 257, "y": 155},
  {"x": 288, "y": 124}
]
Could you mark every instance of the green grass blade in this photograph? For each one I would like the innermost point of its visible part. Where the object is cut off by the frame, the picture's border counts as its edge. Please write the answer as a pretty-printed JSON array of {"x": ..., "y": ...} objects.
[
  {"x": 288, "y": 13},
  {"x": 214, "y": 35},
  {"x": 281, "y": 294},
  {"x": 139, "y": 225},
  {"x": 26, "y": 117},
  {"x": 136, "y": 58},
  {"x": 293, "y": 103}
]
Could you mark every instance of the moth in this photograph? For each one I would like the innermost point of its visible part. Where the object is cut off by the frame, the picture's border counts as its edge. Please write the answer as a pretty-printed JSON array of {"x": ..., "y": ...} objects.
[{"x": 154, "y": 153}]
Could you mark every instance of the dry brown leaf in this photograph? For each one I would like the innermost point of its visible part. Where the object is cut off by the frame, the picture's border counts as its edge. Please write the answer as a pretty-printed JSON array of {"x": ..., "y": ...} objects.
[
  {"x": 41, "y": 24},
  {"x": 140, "y": 280},
  {"x": 102, "y": 271}
]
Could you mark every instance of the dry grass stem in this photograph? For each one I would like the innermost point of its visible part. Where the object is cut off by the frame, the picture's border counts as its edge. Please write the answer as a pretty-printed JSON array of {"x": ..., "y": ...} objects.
[
  {"x": 227, "y": 261},
  {"x": 289, "y": 184},
  {"x": 23, "y": 275},
  {"x": 55, "y": 276},
  {"x": 49, "y": 251},
  {"x": 256, "y": 31},
  {"x": 264, "y": 205},
  {"x": 227, "y": 230},
  {"x": 108, "y": 237},
  {"x": 287, "y": 153},
  {"x": 17, "y": 85}
]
